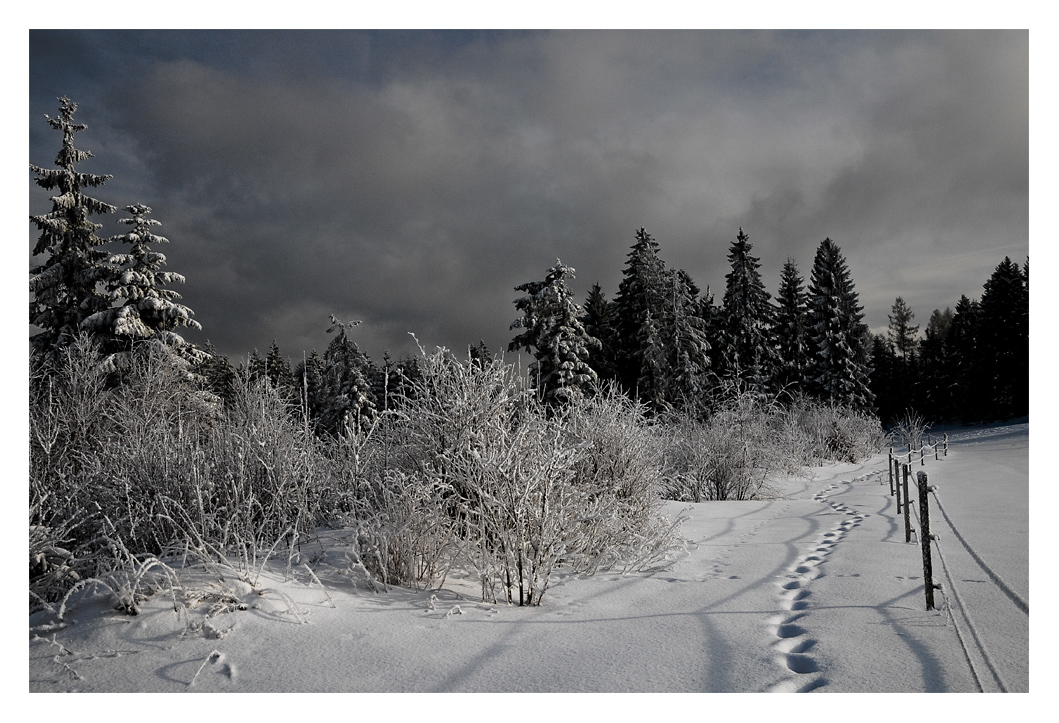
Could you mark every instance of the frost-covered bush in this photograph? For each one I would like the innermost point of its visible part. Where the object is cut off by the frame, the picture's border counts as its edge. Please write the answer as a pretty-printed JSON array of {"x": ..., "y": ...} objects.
[
  {"x": 412, "y": 477},
  {"x": 747, "y": 439},
  {"x": 262, "y": 473},
  {"x": 828, "y": 431},
  {"x": 67, "y": 395},
  {"x": 66, "y": 417},
  {"x": 479, "y": 473},
  {"x": 53, "y": 569},
  {"x": 620, "y": 470},
  {"x": 731, "y": 455},
  {"x": 465, "y": 467},
  {"x": 151, "y": 459},
  {"x": 910, "y": 429}
]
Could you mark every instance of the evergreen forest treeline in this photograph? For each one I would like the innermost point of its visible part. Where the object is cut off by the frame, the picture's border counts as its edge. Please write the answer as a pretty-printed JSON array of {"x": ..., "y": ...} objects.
[{"x": 661, "y": 340}]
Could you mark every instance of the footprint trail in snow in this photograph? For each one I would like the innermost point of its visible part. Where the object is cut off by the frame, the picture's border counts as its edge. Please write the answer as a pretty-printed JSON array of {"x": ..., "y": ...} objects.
[{"x": 794, "y": 646}]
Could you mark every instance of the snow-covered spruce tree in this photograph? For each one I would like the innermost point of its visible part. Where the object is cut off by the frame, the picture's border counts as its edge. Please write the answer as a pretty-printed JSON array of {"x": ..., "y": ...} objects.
[
  {"x": 792, "y": 342},
  {"x": 281, "y": 375},
  {"x": 275, "y": 369},
  {"x": 65, "y": 287},
  {"x": 479, "y": 353},
  {"x": 347, "y": 394},
  {"x": 640, "y": 298},
  {"x": 684, "y": 332},
  {"x": 652, "y": 383},
  {"x": 254, "y": 369},
  {"x": 149, "y": 312},
  {"x": 749, "y": 348},
  {"x": 556, "y": 336},
  {"x": 839, "y": 370}
]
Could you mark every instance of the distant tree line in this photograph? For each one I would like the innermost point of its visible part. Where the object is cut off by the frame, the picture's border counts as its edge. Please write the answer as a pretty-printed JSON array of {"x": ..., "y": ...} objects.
[
  {"x": 661, "y": 340},
  {"x": 972, "y": 363},
  {"x": 667, "y": 344}
]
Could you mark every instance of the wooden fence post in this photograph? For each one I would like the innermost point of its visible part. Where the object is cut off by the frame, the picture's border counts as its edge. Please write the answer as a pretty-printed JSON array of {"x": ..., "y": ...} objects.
[
  {"x": 897, "y": 485},
  {"x": 922, "y": 453},
  {"x": 890, "y": 469},
  {"x": 946, "y": 444},
  {"x": 924, "y": 539},
  {"x": 908, "y": 525}
]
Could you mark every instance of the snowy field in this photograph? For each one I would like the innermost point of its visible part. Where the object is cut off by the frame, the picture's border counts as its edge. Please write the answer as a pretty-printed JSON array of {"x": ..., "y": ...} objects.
[{"x": 814, "y": 592}]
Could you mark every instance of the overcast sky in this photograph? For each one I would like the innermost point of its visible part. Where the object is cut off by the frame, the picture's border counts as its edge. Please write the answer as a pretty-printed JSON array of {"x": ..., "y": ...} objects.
[{"x": 412, "y": 179}]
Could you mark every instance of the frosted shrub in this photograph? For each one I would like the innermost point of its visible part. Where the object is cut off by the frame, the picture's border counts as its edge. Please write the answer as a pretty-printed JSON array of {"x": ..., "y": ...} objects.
[
  {"x": 732, "y": 455},
  {"x": 910, "y": 429},
  {"x": 66, "y": 416},
  {"x": 748, "y": 439},
  {"x": 413, "y": 476},
  {"x": 577, "y": 488},
  {"x": 518, "y": 514},
  {"x": 469, "y": 455},
  {"x": 620, "y": 474},
  {"x": 67, "y": 400},
  {"x": 401, "y": 532},
  {"x": 465, "y": 467},
  {"x": 53, "y": 569},
  {"x": 831, "y": 432},
  {"x": 266, "y": 471},
  {"x": 153, "y": 461},
  {"x": 479, "y": 473}
]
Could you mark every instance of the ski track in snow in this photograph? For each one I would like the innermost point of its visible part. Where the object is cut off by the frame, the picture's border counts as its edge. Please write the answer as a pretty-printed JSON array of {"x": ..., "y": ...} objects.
[{"x": 794, "y": 645}]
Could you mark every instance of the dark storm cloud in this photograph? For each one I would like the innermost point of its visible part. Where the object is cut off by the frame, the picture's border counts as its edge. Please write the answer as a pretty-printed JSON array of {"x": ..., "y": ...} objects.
[{"x": 413, "y": 179}]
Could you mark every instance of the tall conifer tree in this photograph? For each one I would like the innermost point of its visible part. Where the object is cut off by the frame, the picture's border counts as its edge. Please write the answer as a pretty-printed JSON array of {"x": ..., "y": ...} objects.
[
  {"x": 1004, "y": 339},
  {"x": 901, "y": 331},
  {"x": 933, "y": 384},
  {"x": 963, "y": 366},
  {"x": 790, "y": 329},
  {"x": 280, "y": 374},
  {"x": 839, "y": 370},
  {"x": 149, "y": 312},
  {"x": 684, "y": 334},
  {"x": 65, "y": 287},
  {"x": 901, "y": 337},
  {"x": 749, "y": 348},
  {"x": 638, "y": 307}
]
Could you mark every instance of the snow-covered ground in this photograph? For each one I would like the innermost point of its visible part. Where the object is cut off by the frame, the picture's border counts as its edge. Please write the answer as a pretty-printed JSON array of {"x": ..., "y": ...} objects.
[{"x": 817, "y": 591}]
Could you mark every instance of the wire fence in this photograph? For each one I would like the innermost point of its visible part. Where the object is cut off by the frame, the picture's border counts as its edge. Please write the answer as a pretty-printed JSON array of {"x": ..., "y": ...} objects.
[{"x": 918, "y": 508}]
